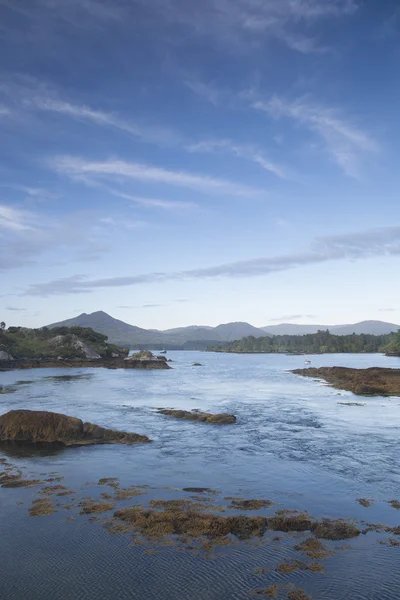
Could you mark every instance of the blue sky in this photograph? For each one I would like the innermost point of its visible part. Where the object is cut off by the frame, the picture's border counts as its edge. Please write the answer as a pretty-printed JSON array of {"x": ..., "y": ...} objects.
[{"x": 174, "y": 162}]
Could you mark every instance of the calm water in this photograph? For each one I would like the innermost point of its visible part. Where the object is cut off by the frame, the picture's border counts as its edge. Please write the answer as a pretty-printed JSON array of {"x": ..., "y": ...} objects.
[{"x": 293, "y": 444}]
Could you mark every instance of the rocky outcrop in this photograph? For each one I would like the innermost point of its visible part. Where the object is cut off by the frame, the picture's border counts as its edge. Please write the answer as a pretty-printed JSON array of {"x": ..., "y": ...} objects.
[
  {"x": 201, "y": 417},
  {"x": 74, "y": 342},
  {"x": 105, "y": 363},
  {"x": 48, "y": 427},
  {"x": 375, "y": 381},
  {"x": 5, "y": 356}
]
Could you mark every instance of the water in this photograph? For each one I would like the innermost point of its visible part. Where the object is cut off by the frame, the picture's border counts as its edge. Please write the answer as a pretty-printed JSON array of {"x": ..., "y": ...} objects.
[{"x": 293, "y": 443}]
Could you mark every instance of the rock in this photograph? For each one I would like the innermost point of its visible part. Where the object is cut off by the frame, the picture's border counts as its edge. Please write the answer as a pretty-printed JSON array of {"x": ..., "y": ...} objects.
[
  {"x": 42, "y": 426},
  {"x": 374, "y": 381},
  {"x": 197, "y": 365},
  {"x": 218, "y": 419},
  {"x": 5, "y": 356}
]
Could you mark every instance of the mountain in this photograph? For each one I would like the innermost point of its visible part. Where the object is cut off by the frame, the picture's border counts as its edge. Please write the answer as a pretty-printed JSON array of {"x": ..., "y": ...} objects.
[
  {"x": 367, "y": 327},
  {"x": 117, "y": 331},
  {"x": 236, "y": 331},
  {"x": 123, "y": 334},
  {"x": 293, "y": 329},
  {"x": 371, "y": 327}
]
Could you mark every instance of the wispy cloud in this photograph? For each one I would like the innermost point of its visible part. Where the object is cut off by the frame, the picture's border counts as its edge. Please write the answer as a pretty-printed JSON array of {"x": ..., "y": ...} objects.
[
  {"x": 154, "y": 202},
  {"x": 15, "y": 309},
  {"x": 213, "y": 94},
  {"x": 388, "y": 309},
  {"x": 247, "y": 152},
  {"x": 76, "y": 12},
  {"x": 247, "y": 24},
  {"x": 80, "y": 168},
  {"x": 15, "y": 219},
  {"x": 28, "y": 236},
  {"x": 345, "y": 142},
  {"x": 383, "y": 241},
  {"x": 157, "y": 135},
  {"x": 152, "y": 305}
]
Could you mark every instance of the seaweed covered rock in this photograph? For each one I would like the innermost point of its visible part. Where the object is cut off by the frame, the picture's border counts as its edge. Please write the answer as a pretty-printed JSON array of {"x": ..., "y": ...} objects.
[
  {"x": 202, "y": 417},
  {"x": 48, "y": 427},
  {"x": 375, "y": 381}
]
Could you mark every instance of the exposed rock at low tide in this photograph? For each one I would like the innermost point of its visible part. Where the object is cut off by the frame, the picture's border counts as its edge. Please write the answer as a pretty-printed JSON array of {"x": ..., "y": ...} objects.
[
  {"x": 108, "y": 363},
  {"x": 202, "y": 417},
  {"x": 48, "y": 427},
  {"x": 375, "y": 381}
]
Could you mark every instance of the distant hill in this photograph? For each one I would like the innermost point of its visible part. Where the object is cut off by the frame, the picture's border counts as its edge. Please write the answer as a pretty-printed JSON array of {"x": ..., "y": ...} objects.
[
  {"x": 117, "y": 331},
  {"x": 123, "y": 334},
  {"x": 367, "y": 327},
  {"x": 371, "y": 327},
  {"x": 293, "y": 329}
]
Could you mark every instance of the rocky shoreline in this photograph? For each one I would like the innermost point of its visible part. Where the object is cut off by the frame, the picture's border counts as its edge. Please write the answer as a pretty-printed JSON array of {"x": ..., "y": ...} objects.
[
  {"x": 375, "y": 381},
  {"x": 108, "y": 363}
]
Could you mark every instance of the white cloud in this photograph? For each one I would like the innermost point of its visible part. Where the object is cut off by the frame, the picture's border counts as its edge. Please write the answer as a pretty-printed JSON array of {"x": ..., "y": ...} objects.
[
  {"x": 346, "y": 143},
  {"x": 105, "y": 119},
  {"x": 154, "y": 202},
  {"x": 247, "y": 152},
  {"x": 80, "y": 168},
  {"x": 14, "y": 219},
  {"x": 205, "y": 90},
  {"x": 384, "y": 241},
  {"x": 249, "y": 23}
]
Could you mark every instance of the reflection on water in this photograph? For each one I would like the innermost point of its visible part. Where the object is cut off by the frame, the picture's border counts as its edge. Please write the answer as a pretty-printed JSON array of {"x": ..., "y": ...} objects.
[
  {"x": 29, "y": 450},
  {"x": 296, "y": 442},
  {"x": 67, "y": 377}
]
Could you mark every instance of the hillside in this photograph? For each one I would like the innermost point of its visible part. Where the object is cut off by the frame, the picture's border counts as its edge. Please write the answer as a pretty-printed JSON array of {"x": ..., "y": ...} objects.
[
  {"x": 117, "y": 331},
  {"x": 60, "y": 342},
  {"x": 123, "y": 334},
  {"x": 366, "y": 327}
]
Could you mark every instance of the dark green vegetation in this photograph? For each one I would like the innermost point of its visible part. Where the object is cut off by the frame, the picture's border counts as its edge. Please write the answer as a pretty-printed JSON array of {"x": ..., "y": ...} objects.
[
  {"x": 316, "y": 343},
  {"x": 46, "y": 427},
  {"x": 201, "y": 417},
  {"x": 364, "y": 382},
  {"x": 60, "y": 342}
]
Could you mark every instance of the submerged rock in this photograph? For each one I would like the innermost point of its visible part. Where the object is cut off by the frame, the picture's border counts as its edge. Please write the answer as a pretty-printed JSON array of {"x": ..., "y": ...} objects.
[
  {"x": 202, "y": 417},
  {"x": 48, "y": 427}
]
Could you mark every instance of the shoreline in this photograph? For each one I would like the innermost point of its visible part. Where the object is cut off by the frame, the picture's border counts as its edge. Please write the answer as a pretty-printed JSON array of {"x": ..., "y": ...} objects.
[
  {"x": 375, "y": 381},
  {"x": 114, "y": 363}
]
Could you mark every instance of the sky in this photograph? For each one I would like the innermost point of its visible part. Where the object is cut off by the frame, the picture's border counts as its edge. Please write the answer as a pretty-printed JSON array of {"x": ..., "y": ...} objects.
[{"x": 175, "y": 162}]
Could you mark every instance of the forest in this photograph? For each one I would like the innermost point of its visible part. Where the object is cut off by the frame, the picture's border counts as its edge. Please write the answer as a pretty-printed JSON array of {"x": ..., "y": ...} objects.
[{"x": 316, "y": 343}]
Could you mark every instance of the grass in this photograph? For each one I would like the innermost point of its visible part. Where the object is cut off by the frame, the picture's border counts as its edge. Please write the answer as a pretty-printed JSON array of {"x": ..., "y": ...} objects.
[
  {"x": 53, "y": 489},
  {"x": 41, "y": 506},
  {"x": 269, "y": 592},
  {"x": 298, "y": 565},
  {"x": 180, "y": 521},
  {"x": 297, "y": 594},
  {"x": 251, "y": 504},
  {"x": 365, "y": 502},
  {"x": 395, "y": 504},
  {"x": 90, "y": 507},
  {"x": 313, "y": 548}
]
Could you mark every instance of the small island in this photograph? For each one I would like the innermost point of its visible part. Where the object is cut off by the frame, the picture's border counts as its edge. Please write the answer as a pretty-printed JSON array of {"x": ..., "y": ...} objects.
[
  {"x": 68, "y": 347},
  {"x": 36, "y": 426},
  {"x": 374, "y": 381},
  {"x": 198, "y": 416}
]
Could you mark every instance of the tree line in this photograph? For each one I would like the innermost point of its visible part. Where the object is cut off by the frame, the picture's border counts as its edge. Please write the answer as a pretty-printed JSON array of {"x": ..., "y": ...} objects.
[{"x": 316, "y": 343}]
